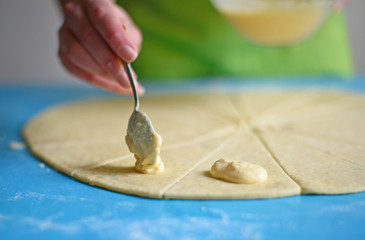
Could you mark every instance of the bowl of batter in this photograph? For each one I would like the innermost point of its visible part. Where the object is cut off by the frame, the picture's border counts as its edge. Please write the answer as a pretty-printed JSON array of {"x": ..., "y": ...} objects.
[{"x": 275, "y": 22}]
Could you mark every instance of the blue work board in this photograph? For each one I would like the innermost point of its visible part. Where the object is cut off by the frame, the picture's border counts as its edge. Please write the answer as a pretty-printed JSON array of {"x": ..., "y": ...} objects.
[{"x": 37, "y": 202}]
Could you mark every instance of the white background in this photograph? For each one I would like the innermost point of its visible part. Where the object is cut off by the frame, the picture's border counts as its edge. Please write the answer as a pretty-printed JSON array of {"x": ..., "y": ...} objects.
[{"x": 28, "y": 40}]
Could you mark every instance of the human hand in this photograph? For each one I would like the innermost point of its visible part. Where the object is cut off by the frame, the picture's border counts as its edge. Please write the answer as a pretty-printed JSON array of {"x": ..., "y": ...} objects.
[{"x": 95, "y": 36}]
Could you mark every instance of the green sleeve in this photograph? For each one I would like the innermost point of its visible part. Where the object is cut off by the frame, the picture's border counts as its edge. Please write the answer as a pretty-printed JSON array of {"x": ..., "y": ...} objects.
[{"x": 190, "y": 39}]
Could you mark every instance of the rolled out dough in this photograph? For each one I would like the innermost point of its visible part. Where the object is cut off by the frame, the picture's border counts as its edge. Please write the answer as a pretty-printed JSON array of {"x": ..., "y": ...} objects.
[{"x": 309, "y": 143}]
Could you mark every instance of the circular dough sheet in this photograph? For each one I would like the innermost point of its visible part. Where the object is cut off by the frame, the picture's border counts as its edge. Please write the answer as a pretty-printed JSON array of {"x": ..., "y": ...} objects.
[{"x": 309, "y": 143}]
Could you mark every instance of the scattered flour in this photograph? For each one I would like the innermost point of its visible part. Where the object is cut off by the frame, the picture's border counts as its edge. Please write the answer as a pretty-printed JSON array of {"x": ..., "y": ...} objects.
[{"x": 14, "y": 145}]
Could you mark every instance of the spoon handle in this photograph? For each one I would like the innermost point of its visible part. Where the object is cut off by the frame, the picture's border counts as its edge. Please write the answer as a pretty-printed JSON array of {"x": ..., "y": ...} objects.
[{"x": 128, "y": 69}]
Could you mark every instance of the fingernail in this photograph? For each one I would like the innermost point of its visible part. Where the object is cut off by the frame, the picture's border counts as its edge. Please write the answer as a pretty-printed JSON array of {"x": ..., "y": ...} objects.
[{"x": 128, "y": 53}]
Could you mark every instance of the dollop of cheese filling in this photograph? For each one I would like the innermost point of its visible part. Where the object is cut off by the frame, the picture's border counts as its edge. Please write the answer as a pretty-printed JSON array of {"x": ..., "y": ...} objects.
[
  {"x": 145, "y": 143},
  {"x": 238, "y": 171}
]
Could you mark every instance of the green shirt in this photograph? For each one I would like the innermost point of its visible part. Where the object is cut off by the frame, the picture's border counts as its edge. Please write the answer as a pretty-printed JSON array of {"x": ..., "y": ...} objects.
[{"x": 190, "y": 39}]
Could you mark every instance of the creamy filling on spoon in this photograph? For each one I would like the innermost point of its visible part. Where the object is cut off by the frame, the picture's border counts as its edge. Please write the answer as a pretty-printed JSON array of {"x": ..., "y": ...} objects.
[{"x": 145, "y": 143}]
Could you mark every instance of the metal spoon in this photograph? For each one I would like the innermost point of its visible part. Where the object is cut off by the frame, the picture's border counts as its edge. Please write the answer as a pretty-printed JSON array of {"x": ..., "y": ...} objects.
[
  {"x": 142, "y": 140},
  {"x": 128, "y": 69},
  {"x": 137, "y": 117}
]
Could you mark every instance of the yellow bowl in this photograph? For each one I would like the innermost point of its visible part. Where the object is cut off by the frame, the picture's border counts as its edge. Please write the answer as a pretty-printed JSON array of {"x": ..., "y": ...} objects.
[{"x": 275, "y": 22}]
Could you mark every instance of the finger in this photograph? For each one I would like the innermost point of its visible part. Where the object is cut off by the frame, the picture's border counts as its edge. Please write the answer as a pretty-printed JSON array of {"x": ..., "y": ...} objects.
[
  {"x": 95, "y": 80},
  {"x": 98, "y": 80},
  {"x": 131, "y": 29},
  {"x": 140, "y": 89},
  {"x": 78, "y": 23},
  {"x": 71, "y": 48},
  {"x": 106, "y": 20}
]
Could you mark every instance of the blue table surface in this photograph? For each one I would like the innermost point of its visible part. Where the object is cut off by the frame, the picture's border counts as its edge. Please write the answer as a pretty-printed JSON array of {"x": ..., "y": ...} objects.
[{"x": 40, "y": 203}]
